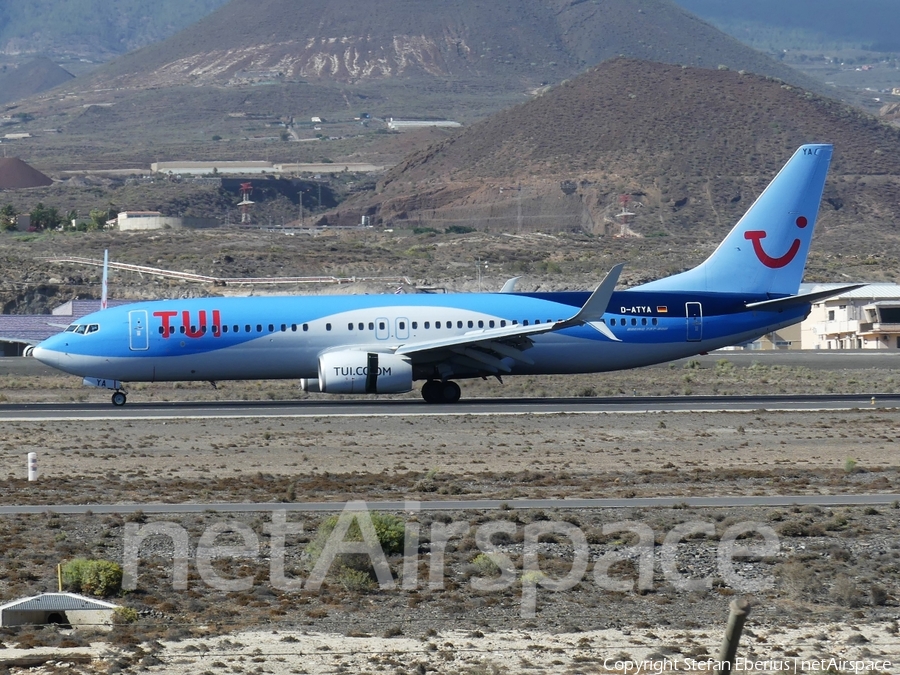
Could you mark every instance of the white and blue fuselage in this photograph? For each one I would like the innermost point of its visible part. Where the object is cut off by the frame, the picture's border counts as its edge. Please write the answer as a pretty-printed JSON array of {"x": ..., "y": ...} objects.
[{"x": 282, "y": 337}]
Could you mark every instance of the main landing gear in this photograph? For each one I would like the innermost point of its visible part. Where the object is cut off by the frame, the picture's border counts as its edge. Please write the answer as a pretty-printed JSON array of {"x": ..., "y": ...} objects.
[
  {"x": 436, "y": 391},
  {"x": 119, "y": 398}
]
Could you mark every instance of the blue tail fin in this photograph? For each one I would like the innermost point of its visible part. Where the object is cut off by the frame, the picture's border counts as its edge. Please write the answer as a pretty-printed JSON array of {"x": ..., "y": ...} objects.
[{"x": 766, "y": 251}]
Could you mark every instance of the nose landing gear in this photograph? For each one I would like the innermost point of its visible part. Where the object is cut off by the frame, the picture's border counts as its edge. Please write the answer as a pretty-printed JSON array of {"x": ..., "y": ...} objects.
[
  {"x": 436, "y": 391},
  {"x": 119, "y": 398}
]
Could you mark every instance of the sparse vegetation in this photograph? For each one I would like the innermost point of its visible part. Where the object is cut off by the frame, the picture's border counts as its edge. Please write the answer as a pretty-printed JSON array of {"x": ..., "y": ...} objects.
[{"x": 94, "y": 577}]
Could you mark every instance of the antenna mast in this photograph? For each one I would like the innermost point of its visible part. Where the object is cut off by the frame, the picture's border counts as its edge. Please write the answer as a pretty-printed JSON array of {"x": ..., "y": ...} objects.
[{"x": 245, "y": 203}]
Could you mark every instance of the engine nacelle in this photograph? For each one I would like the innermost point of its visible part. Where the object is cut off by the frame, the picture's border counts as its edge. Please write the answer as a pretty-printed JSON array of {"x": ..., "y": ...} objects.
[
  {"x": 357, "y": 372},
  {"x": 310, "y": 385}
]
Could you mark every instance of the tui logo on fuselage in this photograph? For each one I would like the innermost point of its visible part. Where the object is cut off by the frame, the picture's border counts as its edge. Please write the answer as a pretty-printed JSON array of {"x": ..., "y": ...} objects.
[{"x": 190, "y": 329}]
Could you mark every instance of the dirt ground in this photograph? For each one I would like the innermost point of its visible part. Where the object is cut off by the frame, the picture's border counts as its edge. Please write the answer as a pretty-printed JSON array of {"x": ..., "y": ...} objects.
[{"x": 833, "y": 577}]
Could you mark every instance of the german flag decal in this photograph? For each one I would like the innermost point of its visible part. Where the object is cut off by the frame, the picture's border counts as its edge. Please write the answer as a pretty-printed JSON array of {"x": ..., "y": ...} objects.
[{"x": 662, "y": 309}]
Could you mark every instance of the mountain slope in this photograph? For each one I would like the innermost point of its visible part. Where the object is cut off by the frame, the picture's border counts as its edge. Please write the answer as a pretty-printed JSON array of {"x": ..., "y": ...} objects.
[
  {"x": 95, "y": 29},
  {"x": 508, "y": 43},
  {"x": 812, "y": 24},
  {"x": 692, "y": 146},
  {"x": 31, "y": 78}
]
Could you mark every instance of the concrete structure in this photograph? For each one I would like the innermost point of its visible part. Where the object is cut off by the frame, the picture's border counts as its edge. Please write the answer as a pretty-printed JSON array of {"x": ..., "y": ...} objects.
[
  {"x": 867, "y": 318},
  {"x": 328, "y": 167},
  {"x": 251, "y": 168},
  {"x": 408, "y": 125},
  {"x": 60, "y": 608},
  {"x": 154, "y": 220},
  {"x": 201, "y": 168},
  {"x": 786, "y": 338}
]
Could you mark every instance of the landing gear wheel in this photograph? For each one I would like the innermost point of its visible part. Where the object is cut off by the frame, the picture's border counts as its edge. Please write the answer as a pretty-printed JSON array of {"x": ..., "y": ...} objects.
[
  {"x": 431, "y": 391},
  {"x": 435, "y": 391},
  {"x": 119, "y": 398},
  {"x": 449, "y": 392}
]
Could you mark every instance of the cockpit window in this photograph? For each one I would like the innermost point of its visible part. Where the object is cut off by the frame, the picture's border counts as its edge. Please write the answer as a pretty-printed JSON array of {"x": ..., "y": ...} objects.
[
  {"x": 71, "y": 328},
  {"x": 80, "y": 329},
  {"x": 93, "y": 328}
]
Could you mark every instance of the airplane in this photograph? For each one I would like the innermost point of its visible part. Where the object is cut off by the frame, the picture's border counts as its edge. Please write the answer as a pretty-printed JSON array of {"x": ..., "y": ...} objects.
[{"x": 383, "y": 344}]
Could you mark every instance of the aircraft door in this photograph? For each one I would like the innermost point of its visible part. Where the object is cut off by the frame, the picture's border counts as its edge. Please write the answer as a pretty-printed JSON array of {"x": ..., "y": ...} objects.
[
  {"x": 401, "y": 330},
  {"x": 382, "y": 328},
  {"x": 694, "y": 311},
  {"x": 138, "y": 331}
]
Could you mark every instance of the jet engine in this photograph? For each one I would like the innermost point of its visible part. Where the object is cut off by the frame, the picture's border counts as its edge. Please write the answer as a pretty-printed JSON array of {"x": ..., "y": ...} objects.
[{"x": 357, "y": 372}]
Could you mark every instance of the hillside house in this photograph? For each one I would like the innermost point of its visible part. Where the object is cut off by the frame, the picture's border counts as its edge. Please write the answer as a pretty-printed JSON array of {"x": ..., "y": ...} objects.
[{"x": 866, "y": 318}]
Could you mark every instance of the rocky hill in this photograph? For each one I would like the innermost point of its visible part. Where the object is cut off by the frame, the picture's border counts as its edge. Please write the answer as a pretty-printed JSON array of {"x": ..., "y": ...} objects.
[
  {"x": 16, "y": 174},
  {"x": 31, "y": 78},
  {"x": 691, "y": 147},
  {"x": 411, "y": 56},
  {"x": 536, "y": 40}
]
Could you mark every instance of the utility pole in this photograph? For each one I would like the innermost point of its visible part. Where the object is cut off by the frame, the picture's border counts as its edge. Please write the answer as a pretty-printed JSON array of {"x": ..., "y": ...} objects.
[{"x": 740, "y": 609}]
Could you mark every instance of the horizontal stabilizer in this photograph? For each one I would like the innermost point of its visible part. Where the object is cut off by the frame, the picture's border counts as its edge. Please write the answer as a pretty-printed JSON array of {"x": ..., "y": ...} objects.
[{"x": 795, "y": 300}]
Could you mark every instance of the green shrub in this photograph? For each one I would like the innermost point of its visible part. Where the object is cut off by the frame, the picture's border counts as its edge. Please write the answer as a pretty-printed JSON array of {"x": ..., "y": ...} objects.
[
  {"x": 485, "y": 565},
  {"x": 801, "y": 528},
  {"x": 95, "y": 577},
  {"x": 124, "y": 615},
  {"x": 389, "y": 530},
  {"x": 458, "y": 229},
  {"x": 355, "y": 580}
]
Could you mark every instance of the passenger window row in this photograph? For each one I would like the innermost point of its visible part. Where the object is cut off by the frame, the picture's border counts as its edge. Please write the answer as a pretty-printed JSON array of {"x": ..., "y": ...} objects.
[
  {"x": 360, "y": 326},
  {"x": 634, "y": 322},
  {"x": 201, "y": 330},
  {"x": 438, "y": 325}
]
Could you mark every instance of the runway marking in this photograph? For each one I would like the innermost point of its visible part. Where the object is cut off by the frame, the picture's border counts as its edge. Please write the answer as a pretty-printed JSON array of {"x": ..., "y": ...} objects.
[{"x": 515, "y": 413}]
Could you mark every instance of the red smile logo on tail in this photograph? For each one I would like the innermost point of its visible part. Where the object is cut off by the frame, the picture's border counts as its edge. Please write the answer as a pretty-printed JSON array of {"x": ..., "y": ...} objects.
[{"x": 756, "y": 236}]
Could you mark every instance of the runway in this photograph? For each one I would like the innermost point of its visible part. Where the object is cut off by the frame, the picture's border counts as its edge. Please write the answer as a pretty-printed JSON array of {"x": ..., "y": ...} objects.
[
  {"x": 417, "y": 408},
  {"x": 462, "y": 504},
  {"x": 818, "y": 359}
]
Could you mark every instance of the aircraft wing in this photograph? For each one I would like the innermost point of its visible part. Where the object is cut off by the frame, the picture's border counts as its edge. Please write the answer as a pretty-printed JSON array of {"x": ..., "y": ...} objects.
[{"x": 484, "y": 348}]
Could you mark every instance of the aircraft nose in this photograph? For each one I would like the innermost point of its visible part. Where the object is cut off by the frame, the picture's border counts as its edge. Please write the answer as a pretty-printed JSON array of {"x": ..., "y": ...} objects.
[{"x": 49, "y": 357}]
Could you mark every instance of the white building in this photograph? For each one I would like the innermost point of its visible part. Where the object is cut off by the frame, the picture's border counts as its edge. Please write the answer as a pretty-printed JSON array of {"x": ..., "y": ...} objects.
[
  {"x": 240, "y": 168},
  {"x": 407, "y": 125},
  {"x": 154, "y": 220},
  {"x": 58, "y": 608},
  {"x": 866, "y": 318}
]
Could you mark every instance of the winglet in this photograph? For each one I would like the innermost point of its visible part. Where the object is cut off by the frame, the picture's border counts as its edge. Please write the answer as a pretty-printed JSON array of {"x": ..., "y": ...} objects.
[
  {"x": 510, "y": 285},
  {"x": 595, "y": 307}
]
